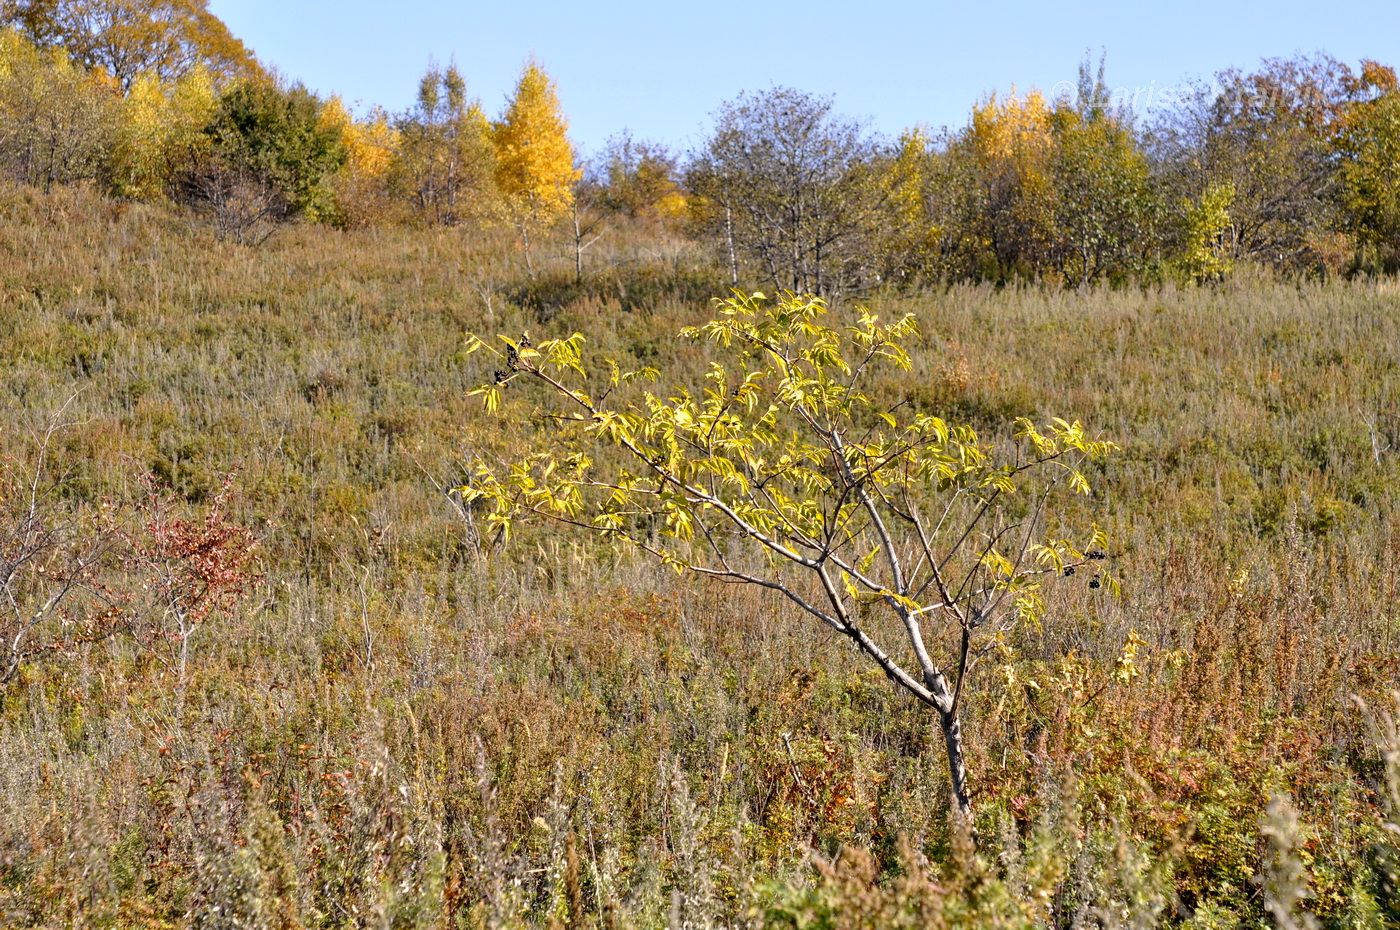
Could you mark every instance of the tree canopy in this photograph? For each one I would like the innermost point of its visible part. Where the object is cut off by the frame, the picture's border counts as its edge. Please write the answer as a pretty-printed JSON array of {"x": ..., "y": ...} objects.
[
  {"x": 534, "y": 160},
  {"x": 128, "y": 38}
]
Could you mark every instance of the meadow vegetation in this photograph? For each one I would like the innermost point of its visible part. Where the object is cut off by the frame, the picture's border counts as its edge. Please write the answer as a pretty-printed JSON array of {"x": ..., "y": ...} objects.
[
  {"x": 286, "y": 642},
  {"x": 382, "y": 717}
]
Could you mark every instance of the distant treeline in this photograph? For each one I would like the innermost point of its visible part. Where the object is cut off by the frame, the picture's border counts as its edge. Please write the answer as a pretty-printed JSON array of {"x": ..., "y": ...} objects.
[{"x": 1292, "y": 165}]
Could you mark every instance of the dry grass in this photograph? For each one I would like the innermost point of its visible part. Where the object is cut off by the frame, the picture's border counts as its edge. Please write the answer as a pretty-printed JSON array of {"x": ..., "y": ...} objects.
[{"x": 391, "y": 730}]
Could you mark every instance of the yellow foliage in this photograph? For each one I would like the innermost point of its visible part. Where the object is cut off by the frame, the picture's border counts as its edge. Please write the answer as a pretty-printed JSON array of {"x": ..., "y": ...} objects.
[
  {"x": 1012, "y": 141},
  {"x": 139, "y": 163},
  {"x": 1368, "y": 141},
  {"x": 905, "y": 179},
  {"x": 1016, "y": 127},
  {"x": 57, "y": 119},
  {"x": 192, "y": 100},
  {"x": 673, "y": 206},
  {"x": 335, "y": 116},
  {"x": 161, "y": 124},
  {"x": 124, "y": 39},
  {"x": 534, "y": 160},
  {"x": 911, "y": 235},
  {"x": 1378, "y": 77},
  {"x": 14, "y": 49},
  {"x": 1206, "y": 255},
  {"x": 481, "y": 126},
  {"x": 369, "y": 144},
  {"x": 104, "y": 79}
]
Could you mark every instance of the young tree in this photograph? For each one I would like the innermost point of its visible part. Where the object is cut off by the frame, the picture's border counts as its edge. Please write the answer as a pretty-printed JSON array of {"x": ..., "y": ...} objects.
[
  {"x": 1105, "y": 208},
  {"x": 1268, "y": 134},
  {"x": 54, "y": 565},
  {"x": 630, "y": 180},
  {"x": 590, "y": 209},
  {"x": 907, "y": 244},
  {"x": 360, "y": 189},
  {"x": 639, "y": 180},
  {"x": 1204, "y": 252},
  {"x": 160, "y": 133},
  {"x": 1009, "y": 147},
  {"x": 886, "y": 524},
  {"x": 192, "y": 569},
  {"x": 73, "y": 575},
  {"x": 534, "y": 160}
]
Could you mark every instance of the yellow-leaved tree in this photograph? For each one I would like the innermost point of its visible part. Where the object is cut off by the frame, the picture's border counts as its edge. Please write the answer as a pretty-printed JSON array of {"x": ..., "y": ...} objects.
[
  {"x": 1368, "y": 143},
  {"x": 57, "y": 119},
  {"x": 535, "y": 169},
  {"x": 361, "y": 186},
  {"x": 1012, "y": 144},
  {"x": 126, "y": 39},
  {"x": 786, "y": 468},
  {"x": 161, "y": 128},
  {"x": 1206, "y": 252},
  {"x": 909, "y": 237},
  {"x": 444, "y": 163}
]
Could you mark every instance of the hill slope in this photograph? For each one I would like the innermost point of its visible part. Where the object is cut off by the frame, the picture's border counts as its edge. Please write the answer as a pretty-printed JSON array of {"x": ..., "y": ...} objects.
[{"x": 387, "y": 726}]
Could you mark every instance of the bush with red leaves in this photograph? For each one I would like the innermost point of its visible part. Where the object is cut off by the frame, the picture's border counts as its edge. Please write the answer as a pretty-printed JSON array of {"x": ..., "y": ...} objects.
[{"x": 191, "y": 568}]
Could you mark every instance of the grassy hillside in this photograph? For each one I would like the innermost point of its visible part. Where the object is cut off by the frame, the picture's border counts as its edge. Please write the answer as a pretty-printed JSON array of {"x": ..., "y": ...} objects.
[{"x": 391, "y": 727}]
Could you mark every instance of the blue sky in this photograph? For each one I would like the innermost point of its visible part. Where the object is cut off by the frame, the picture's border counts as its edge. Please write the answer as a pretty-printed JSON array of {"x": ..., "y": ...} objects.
[{"x": 660, "y": 69}]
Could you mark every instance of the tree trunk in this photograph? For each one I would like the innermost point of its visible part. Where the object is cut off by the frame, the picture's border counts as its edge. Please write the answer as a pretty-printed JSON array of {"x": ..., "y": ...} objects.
[
  {"x": 578, "y": 248},
  {"x": 957, "y": 767},
  {"x": 525, "y": 236},
  {"x": 729, "y": 242}
]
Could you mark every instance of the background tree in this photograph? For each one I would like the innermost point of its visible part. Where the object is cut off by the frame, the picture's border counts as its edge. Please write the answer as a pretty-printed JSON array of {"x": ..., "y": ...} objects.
[
  {"x": 128, "y": 38},
  {"x": 908, "y": 240},
  {"x": 1268, "y": 134},
  {"x": 628, "y": 182},
  {"x": 160, "y": 133},
  {"x": 361, "y": 188},
  {"x": 885, "y": 523},
  {"x": 445, "y": 163},
  {"x": 1206, "y": 246},
  {"x": 270, "y": 158},
  {"x": 791, "y": 190},
  {"x": 57, "y": 122},
  {"x": 1059, "y": 191},
  {"x": 534, "y": 160},
  {"x": 1008, "y": 147},
  {"x": 590, "y": 209},
  {"x": 1368, "y": 141},
  {"x": 955, "y": 244},
  {"x": 640, "y": 180},
  {"x": 1105, "y": 207}
]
